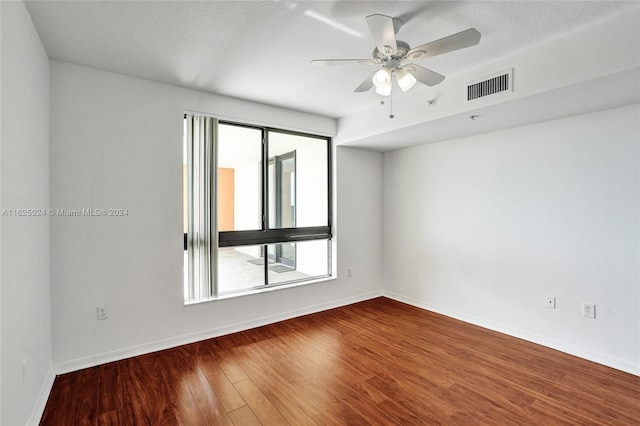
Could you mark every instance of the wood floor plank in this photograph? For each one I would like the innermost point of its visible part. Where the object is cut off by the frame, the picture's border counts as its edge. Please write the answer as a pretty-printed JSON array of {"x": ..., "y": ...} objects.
[
  {"x": 264, "y": 410},
  {"x": 147, "y": 391},
  {"x": 85, "y": 399},
  {"x": 211, "y": 409},
  {"x": 404, "y": 414},
  {"x": 111, "y": 393},
  {"x": 289, "y": 398},
  {"x": 374, "y": 362},
  {"x": 332, "y": 355},
  {"x": 184, "y": 405},
  {"x": 285, "y": 397},
  {"x": 340, "y": 415},
  {"x": 60, "y": 400},
  {"x": 346, "y": 396},
  {"x": 120, "y": 416},
  {"x": 177, "y": 363},
  {"x": 214, "y": 416},
  {"x": 224, "y": 389},
  {"x": 230, "y": 367},
  {"x": 243, "y": 416}
]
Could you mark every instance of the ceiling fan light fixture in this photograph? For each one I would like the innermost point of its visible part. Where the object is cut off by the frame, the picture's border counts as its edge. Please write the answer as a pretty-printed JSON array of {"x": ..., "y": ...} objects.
[
  {"x": 384, "y": 90},
  {"x": 382, "y": 78},
  {"x": 405, "y": 79}
]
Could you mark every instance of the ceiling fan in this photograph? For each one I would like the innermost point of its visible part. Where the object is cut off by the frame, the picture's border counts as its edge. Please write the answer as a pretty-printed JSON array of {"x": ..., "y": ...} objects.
[{"x": 392, "y": 55}]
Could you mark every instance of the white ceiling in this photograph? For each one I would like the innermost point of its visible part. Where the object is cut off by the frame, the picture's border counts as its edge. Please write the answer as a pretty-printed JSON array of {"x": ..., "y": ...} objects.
[{"x": 261, "y": 50}]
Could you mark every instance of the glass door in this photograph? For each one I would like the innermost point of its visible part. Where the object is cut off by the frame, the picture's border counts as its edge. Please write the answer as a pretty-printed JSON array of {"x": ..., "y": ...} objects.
[{"x": 282, "y": 205}]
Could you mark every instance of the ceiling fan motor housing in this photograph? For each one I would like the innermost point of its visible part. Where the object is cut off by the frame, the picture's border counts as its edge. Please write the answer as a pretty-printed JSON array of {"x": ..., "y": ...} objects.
[{"x": 392, "y": 60}]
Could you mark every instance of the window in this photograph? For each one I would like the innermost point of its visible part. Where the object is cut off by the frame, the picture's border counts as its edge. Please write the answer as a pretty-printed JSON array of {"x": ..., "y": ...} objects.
[{"x": 257, "y": 208}]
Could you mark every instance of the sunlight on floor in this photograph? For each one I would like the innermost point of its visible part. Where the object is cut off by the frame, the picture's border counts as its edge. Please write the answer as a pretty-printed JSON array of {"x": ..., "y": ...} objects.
[{"x": 239, "y": 271}]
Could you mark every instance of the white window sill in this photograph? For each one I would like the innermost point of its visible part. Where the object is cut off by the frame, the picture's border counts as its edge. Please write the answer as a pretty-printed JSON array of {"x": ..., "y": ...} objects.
[{"x": 263, "y": 289}]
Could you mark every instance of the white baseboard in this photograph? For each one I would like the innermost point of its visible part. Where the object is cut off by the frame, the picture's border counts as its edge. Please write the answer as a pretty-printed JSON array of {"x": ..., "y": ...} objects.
[
  {"x": 600, "y": 358},
  {"x": 41, "y": 401},
  {"x": 158, "y": 345}
]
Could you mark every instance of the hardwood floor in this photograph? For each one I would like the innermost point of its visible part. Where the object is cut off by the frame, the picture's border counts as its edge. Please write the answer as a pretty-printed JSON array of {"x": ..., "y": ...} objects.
[{"x": 376, "y": 362}]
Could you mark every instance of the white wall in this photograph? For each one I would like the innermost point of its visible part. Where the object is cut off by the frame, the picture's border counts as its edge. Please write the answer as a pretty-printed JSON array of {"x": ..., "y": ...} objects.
[
  {"x": 24, "y": 242},
  {"x": 116, "y": 142},
  {"x": 359, "y": 178},
  {"x": 482, "y": 228}
]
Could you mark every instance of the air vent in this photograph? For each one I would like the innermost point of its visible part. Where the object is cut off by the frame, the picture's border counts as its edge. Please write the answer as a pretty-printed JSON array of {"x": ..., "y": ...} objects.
[{"x": 488, "y": 86}]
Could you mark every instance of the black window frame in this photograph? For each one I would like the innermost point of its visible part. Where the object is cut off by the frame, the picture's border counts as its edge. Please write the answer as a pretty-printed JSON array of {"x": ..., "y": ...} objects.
[{"x": 266, "y": 235}]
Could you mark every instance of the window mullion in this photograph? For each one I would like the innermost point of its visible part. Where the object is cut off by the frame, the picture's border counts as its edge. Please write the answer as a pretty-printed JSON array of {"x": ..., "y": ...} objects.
[
  {"x": 265, "y": 181},
  {"x": 265, "y": 202},
  {"x": 213, "y": 206},
  {"x": 271, "y": 236}
]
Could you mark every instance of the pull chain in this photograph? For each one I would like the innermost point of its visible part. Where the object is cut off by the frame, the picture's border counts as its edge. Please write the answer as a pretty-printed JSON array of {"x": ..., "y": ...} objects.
[{"x": 390, "y": 102}]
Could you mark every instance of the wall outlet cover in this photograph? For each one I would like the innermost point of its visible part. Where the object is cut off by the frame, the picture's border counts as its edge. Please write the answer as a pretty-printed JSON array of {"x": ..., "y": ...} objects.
[
  {"x": 589, "y": 310},
  {"x": 550, "y": 302},
  {"x": 102, "y": 313}
]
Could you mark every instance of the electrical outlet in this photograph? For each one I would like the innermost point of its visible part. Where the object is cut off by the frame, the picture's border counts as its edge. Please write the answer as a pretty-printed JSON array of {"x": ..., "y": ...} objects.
[
  {"x": 102, "y": 312},
  {"x": 349, "y": 272},
  {"x": 550, "y": 302},
  {"x": 589, "y": 310}
]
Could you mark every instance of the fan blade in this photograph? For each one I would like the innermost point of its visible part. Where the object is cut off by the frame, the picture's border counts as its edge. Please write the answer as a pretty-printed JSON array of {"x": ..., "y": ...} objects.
[
  {"x": 423, "y": 75},
  {"x": 466, "y": 38},
  {"x": 365, "y": 85},
  {"x": 330, "y": 62},
  {"x": 383, "y": 32}
]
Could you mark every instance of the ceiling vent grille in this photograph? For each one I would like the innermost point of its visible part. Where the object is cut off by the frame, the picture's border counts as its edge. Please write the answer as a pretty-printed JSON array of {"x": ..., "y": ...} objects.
[{"x": 496, "y": 83}]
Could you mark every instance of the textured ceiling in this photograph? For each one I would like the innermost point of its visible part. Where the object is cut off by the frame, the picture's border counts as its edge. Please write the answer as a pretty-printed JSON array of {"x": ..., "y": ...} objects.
[{"x": 260, "y": 50}]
